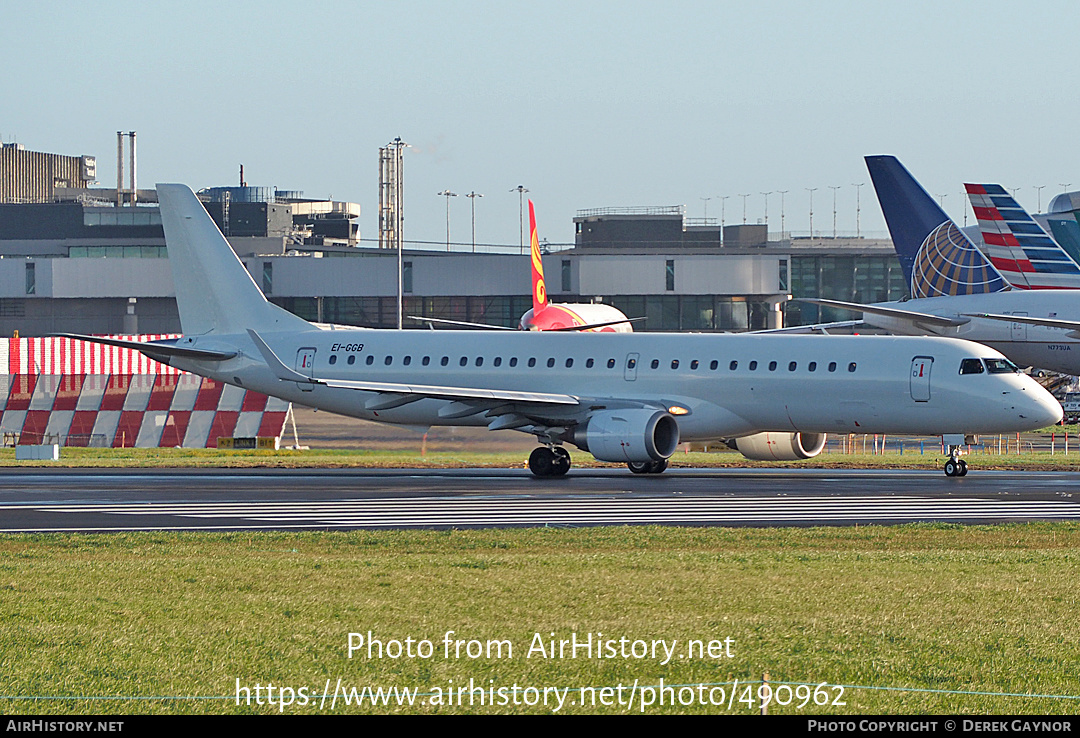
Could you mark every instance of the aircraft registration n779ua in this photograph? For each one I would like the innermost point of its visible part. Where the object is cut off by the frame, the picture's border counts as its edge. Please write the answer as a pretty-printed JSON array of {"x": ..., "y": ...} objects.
[{"x": 623, "y": 397}]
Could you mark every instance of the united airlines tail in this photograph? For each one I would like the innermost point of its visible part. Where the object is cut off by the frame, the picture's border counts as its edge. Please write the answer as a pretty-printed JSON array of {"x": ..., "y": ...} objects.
[
  {"x": 1020, "y": 249},
  {"x": 214, "y": 292},
  {"x": 937, "y": 259},
  {"x": 539, "y": 290}
]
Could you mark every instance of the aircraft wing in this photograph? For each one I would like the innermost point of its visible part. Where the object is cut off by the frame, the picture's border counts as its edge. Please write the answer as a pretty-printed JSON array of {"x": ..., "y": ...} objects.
[
  {"x": 404, "y": 393},
  {"x": 157, "y": 350},
  {"x": 891, "y": 312},
  {"x": 461, "y": 323},
  {"x": 1070, "y": 325},
  {"x": 822, "y": 328}
]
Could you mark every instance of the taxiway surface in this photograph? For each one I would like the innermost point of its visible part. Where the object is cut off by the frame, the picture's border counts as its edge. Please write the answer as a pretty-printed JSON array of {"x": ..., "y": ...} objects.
[{"x": 278, "y": 499}]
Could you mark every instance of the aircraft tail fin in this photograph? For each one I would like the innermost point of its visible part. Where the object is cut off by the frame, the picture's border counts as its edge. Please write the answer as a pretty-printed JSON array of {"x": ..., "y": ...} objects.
[
  {"x": 214, "y": 292},
  {"x": 539, "y": 287},
  {"x": 936, "y": 257},
  {"x": 1021, "y": 250}
]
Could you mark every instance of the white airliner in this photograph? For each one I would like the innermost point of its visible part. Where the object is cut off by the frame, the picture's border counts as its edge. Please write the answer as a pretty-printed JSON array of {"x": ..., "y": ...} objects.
[
  {"x": 623, "y": 397},
  {"x": 960, "y": 293}
]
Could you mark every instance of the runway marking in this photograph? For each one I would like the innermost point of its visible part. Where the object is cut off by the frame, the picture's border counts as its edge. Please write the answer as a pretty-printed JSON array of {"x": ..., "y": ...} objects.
[{"x": 537, "y": 511}]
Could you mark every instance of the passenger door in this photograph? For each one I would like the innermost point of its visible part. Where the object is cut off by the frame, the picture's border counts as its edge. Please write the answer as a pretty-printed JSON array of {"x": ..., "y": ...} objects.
[
  {"x": 920, "y": 378},
  {"x": 305, "y": 364},
  {"x": 630, "y": 370}
]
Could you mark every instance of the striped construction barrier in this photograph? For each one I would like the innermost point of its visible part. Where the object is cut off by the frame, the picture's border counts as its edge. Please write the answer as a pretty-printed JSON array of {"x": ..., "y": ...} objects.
[{"x": 60, "y": 390}]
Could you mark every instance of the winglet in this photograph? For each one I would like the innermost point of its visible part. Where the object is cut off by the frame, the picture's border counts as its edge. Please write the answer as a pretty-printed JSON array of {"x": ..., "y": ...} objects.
[
  {"x": 539, "y": 288},
  {"x": 283, "y": 372}
]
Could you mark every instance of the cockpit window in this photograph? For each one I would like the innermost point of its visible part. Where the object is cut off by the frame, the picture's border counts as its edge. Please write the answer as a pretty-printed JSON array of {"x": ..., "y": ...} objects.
[
  {"x": 971, "y": 366},
  {"x": 1000, "y": 366}
]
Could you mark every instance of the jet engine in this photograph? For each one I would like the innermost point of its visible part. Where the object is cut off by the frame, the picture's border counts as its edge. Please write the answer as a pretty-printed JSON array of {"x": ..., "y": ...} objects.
[
  {"x": 779, "y": 446},
  {"x": 638, "y": 435}
]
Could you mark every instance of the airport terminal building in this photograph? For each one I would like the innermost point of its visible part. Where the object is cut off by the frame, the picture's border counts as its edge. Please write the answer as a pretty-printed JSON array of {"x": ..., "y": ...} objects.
[{"x": 85, "y": 260}]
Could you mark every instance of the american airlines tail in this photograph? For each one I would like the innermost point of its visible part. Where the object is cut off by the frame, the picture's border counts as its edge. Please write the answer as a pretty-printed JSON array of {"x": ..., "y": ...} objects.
[
  {"x": 937, "y": 259},
  {"x": 539, "y": 287},
  {"x": 1020, "y": 249},
  {"x": 214, "y": 292}
]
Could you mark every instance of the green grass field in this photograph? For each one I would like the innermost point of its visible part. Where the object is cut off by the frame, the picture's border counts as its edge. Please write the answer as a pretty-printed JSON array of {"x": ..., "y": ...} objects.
[
  {"x": 911, "y": 619},
  {"x": 404, "y": 459}
]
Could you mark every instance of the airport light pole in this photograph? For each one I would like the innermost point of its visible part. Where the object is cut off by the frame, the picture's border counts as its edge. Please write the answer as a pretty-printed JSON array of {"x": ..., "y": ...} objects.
[
  {"x": 834, "y": 188},
  {"x": 811, "y": 191},
  {"x": 1015, "y": 190},
  {"x": 941, "y": 200},
  {"x": 706, "y": 201},
  {"x": 744, "y": 207},
  {"x": 520, "y": 189},
  {"x": 447, "y": 194},
  {"x": 858, "y": 209},
  {"x": 782, "y": 193},
  {"x": 766, "y": 194},
  {"x": 472, "y": 203},
  {"x": 723, "y": 204},
  {"x": 1039, "y": 189}
]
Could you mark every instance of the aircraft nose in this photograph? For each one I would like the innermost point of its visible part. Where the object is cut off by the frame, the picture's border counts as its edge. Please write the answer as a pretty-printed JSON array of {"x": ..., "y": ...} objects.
[{"x": 1040, "y": 408}]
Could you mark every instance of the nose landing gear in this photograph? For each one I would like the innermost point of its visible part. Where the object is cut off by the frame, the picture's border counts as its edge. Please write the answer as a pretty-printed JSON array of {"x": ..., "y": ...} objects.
[{"x": 955, "y": 466}]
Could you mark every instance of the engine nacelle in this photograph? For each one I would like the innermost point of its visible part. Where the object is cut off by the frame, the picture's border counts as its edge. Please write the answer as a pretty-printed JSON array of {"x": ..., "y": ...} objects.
[
  {"x": 628, "y": 435},
  {"x": 780, "y": 446}
]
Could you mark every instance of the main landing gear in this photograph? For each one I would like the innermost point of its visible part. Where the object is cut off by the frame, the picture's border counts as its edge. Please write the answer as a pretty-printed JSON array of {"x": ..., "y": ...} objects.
[
  {"x": 549, "y": 461},
  {"x": 647, "y": 467},
  {"x": 955, "y": 466}
]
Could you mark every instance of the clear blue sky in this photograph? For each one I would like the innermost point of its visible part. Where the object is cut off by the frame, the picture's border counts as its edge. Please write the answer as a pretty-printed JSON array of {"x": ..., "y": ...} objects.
[{"x": 586, "y": 104}]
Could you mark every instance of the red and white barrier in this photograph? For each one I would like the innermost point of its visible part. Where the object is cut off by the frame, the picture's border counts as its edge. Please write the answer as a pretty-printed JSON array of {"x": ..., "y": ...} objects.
[{"x": 60, "y": 390}]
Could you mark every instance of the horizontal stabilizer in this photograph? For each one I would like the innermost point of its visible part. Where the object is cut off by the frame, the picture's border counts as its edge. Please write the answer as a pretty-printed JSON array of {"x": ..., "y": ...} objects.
[{"x": 156, "y": 350}]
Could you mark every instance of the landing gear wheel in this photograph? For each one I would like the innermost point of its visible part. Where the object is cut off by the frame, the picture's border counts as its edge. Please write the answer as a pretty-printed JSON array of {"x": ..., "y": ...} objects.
[
  {"x": 561, "y": 459},
  {"x": 955, "y": 466},
  {"x": 549, "y": 462},
  {"x": 647, "y": 467}
]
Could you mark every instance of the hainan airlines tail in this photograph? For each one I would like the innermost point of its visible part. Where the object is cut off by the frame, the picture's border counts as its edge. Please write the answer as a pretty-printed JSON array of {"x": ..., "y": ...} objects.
[
  {"x": 1023, "y": 253},
  {"x": 214, "y": 292},
  {"x": 937, "y": 259},
  {"x": 539, "y": 287}
]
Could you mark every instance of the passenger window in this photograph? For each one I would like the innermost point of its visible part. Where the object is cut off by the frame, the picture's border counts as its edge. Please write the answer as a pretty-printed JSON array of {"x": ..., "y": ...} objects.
[
  {"x": 407, "y": 360},
  {"x": 851, "y": 367},
  {"x": 445, "y": 360},
  {"x": 772, "y": 366},
  {"x": 674, "y": 363},
  {"x": 352, "y": 359},
  {"x": 971, "y": 366},
  {"x": 631, "y": 363},
  {"x": 812, "y": 366},
  {"x": 694, "y": 365},
  {"x": 498, "y": 361},
  {"x": 388, "y": 360},
  {"x": 425, "y": 361},
  {"x": 370, "y": 360},
  {"x": 732, "y": 366},
  {"x": 463, "y": 361},
  {"x": 611, "y": 363},
  {"x": 655, "y": 364},
  {"x": 333, "y": 358},
  {"x": 532, "y": 362},
  {"x": 791, "y": 366},
  {"x": 479, "y": 360},
  {"x": 513, "y": 361},
  {"x": 832, "y": 366},
  {"x": 551, "y": 362},
  {"x": 569, "y": 363},
  {"x": 753, "y": 365},
  {"x": 589, "y": 364}
]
